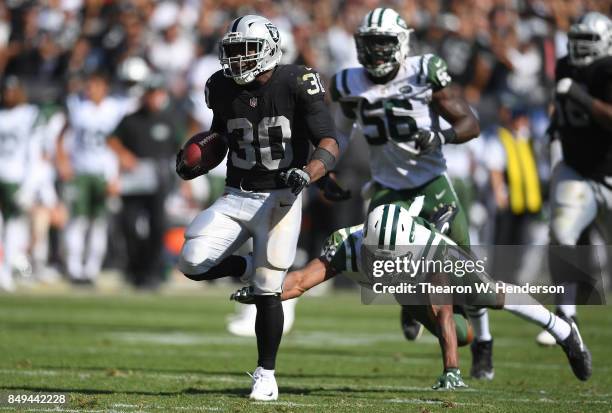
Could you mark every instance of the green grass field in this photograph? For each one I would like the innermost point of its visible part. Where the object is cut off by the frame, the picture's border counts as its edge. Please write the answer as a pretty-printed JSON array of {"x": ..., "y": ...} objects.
[{"x": 158, "y": 353}]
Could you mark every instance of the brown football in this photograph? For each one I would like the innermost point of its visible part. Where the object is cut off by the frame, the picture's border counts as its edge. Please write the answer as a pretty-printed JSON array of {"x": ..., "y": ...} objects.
[{"x": 205, "y": 149}]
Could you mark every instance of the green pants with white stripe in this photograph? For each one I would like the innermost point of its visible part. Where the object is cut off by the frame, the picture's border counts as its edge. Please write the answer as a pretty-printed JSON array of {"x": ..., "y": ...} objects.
[
  {"x": 86, "y": 195},
  {"x": 437, "y": 192}
]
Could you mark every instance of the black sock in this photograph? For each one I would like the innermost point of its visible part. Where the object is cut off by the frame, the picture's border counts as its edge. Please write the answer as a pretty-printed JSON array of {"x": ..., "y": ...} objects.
[
  {"x": 233, "y": 266},
  {"x": 268, "y": 328}
]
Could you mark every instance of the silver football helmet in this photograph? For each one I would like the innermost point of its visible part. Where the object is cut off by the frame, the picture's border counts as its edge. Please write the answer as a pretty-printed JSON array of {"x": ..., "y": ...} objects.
[
  {"x": 252, "y": 46},
  {"x": 382, "y": 41},
  {"x": 589, "y": 39}
]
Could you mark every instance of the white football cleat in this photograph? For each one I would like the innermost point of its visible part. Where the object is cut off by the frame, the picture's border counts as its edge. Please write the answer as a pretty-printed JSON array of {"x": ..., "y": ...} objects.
[
  {"x": 6, "y": 282},
  {"x": 243, "y": 323},
  {"x": 546, "y": 339},
  {"x": 264, "y": 386}
]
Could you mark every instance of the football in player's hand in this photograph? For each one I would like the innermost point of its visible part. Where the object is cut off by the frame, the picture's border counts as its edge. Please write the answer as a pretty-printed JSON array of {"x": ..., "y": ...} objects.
[{"x": 205, "y": 149}]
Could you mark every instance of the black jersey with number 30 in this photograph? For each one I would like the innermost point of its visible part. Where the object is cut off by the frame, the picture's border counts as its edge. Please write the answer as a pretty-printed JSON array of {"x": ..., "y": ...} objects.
[
  {"x": 587, "y": 145},
  {"x": 269, "y": 126}
]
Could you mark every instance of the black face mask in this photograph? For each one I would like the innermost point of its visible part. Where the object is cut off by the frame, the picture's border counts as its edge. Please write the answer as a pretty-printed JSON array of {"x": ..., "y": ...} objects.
[
  {"x": 582, "y": 46},
  {"x": 242, "y": 56},
  {"x": 376, "y": 49}
]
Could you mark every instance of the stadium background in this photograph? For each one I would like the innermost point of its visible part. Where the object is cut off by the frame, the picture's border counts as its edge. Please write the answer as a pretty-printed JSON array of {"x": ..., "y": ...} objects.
[{"x": 501, "y": 55}]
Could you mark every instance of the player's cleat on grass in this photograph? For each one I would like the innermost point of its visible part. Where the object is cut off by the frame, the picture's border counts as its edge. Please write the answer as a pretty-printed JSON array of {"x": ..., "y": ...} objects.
[
  {"x": 264, "y": 386},
  {"x": 482, "y": 360},
  {"x": 449, "y": 380},
  {"x": 243, "y": 295},
  {"x": 577, "y": 353},
  {"x": 6, "y": 282},
  {"x": 411, "y": 328}
]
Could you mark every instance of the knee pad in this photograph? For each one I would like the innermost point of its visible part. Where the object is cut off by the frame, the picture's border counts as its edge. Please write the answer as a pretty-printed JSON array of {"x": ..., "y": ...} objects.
[
  {"x": 194, "y": 258},
  {"x": 268, "y": 281}
]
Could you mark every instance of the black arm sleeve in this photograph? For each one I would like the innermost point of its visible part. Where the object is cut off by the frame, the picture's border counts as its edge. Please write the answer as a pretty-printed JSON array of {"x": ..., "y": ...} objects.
[
  {"x": 217, "y": 125},
  {"x": 311, "y": 103},
  {"x": 319, "y": 121}
]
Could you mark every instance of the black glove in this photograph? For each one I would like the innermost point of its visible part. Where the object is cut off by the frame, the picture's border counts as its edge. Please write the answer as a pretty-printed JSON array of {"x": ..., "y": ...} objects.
[
  {"x": 429, "y": 140},
  {"x": 296, "y": 179},
  {"x": 332, "y": 191},
  {"x": 426, "y": 140},
  {"x": 185, "y": 172}
]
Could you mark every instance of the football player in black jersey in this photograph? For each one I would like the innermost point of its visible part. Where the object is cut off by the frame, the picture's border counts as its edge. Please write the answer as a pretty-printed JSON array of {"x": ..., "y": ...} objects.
[
  {"x": 271, "y": 114},
  {"x": 581, "y": 187}
]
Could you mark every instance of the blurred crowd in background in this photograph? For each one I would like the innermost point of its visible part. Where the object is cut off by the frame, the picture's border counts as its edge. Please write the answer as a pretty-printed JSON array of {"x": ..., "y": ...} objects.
[{"x": 130, "y": 75}]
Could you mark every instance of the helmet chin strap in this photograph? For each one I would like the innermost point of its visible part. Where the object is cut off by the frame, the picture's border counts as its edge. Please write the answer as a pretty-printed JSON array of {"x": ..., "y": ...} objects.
[
  {"x": 249, "y": 78},
  {"x": 252, "y": 77}
]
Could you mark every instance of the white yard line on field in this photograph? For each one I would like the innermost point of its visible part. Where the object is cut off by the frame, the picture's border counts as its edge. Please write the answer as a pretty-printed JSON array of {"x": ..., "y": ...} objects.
[
  {"x": 426, "y": 401},
  {"x": 303, "y": 339},
  {"x": 287, "y": 404}
]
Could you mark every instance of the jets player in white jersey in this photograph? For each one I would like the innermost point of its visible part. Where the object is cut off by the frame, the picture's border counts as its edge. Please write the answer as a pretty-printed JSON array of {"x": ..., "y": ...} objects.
[
  {"x": 393, "y": 233},
  {"x": 405, "y": 109},
  {"x": 19, "y": 148},
  {"x": 87, "y": 167}
]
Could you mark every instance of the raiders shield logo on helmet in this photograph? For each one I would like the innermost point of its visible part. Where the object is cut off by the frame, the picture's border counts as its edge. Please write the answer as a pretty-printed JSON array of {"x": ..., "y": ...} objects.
[{"x": 273, "y": 32}]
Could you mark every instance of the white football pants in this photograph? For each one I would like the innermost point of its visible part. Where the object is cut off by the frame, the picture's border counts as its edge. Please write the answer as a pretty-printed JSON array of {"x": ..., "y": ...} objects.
[
  {"x": 576, "y": 203},
  {"x": 271, "y": 218}
]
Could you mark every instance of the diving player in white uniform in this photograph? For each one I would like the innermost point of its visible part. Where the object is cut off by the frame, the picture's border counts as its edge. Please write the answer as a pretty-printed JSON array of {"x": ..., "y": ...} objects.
[{"x": 392, "y": 233}]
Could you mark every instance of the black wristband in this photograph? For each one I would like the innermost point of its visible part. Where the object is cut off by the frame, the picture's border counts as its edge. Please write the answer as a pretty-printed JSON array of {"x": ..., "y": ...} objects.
[
  {"x": 450, "y": 136},
  {"x": 326, "y": 157},
  {"x": 580, "y": 96}
]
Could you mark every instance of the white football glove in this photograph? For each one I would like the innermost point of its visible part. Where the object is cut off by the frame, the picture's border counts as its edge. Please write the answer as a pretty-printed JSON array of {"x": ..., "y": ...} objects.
[
  {"x": 576, "y": 92},
  {"x": 564, "y": 85}
]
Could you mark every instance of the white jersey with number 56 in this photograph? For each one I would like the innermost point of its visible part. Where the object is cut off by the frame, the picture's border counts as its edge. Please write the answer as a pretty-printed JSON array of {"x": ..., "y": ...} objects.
[{"x": 387, "y": 114}]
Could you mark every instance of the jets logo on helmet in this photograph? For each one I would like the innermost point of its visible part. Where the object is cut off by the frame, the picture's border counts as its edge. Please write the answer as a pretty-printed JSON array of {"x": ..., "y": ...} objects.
[
  {"x": 388, "y": 233},
  {"x": 382, "y": 41},
  {"x": 590, "y": 39},
  {"x": 251, "y": 47}
]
